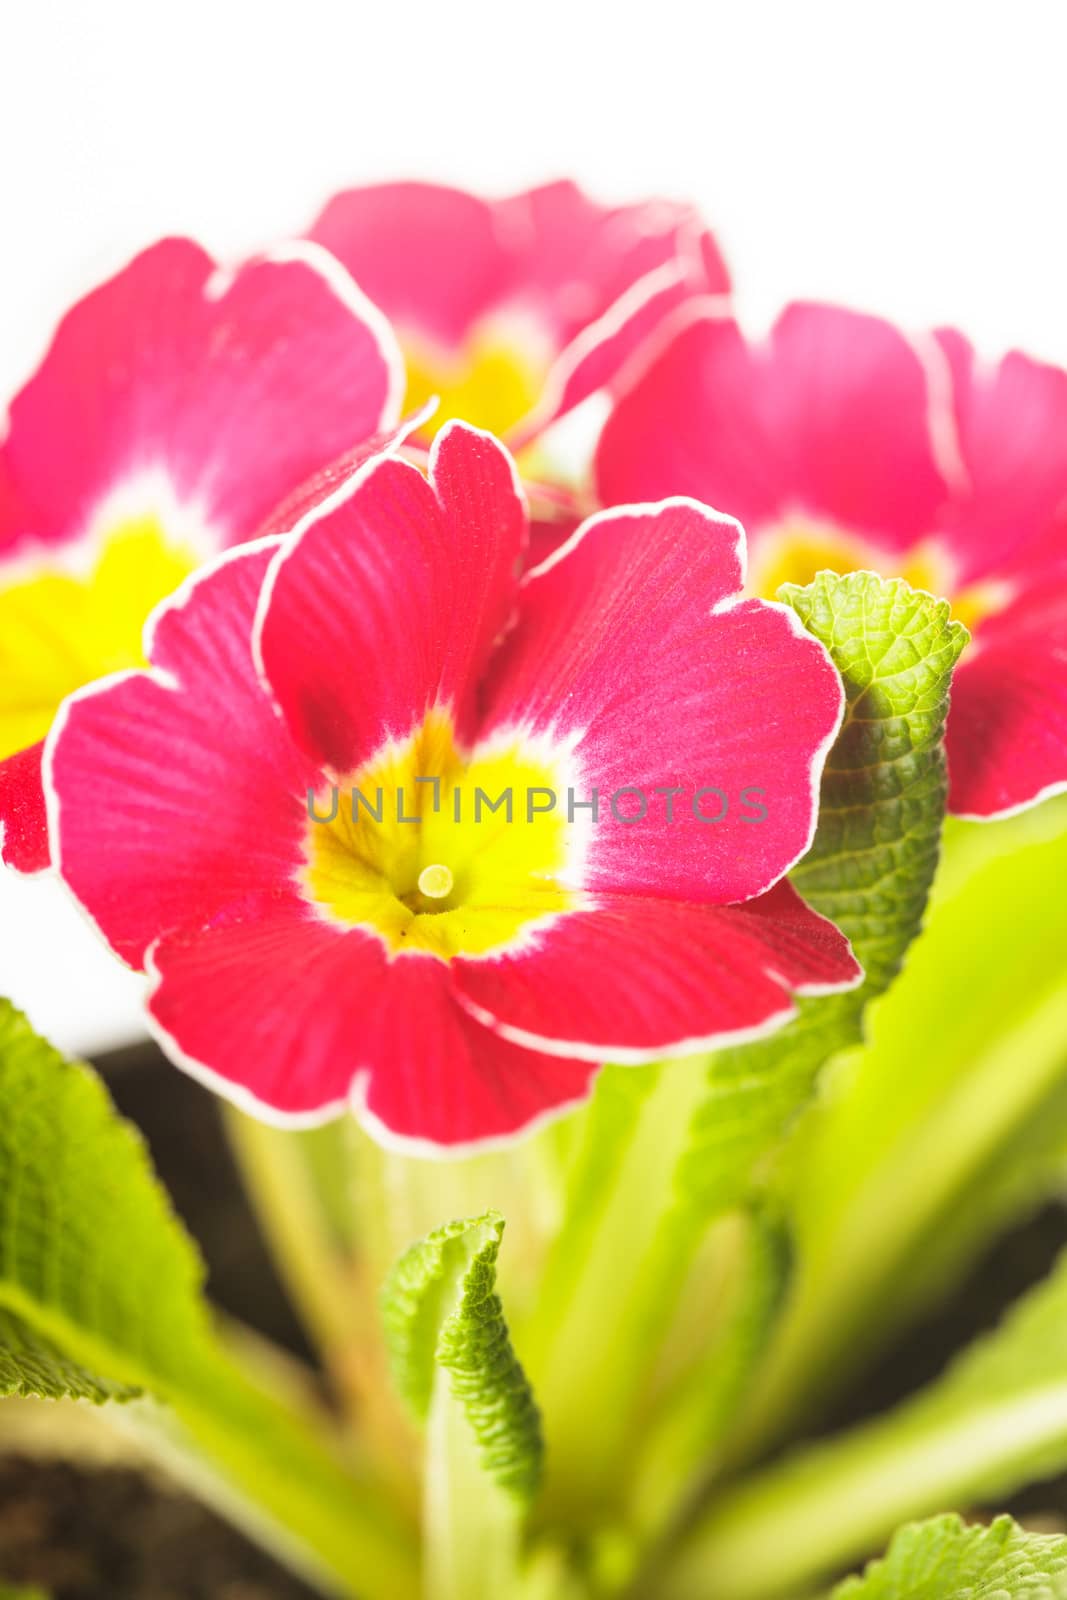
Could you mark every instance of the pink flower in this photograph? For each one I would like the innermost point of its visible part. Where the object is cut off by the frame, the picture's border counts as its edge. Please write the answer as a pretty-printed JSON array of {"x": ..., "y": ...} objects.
[
  {"x": 513, "y": 311},
  {"x": 178, "y": 404},
  {"x": 457, "y": 978},
  {"x": 842, "y": 444}
]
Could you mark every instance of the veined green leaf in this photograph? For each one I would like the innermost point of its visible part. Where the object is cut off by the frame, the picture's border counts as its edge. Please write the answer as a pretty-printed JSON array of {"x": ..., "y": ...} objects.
[
  {"x": 943, "y": 1559},
  {"x": 869, "y": 869},
  {"x": 995, "y": 1420},
  {"x": 31, "y": 1365},
  {"x": 442, "y": 1312},
  {"x": 101, "y": 1299}
]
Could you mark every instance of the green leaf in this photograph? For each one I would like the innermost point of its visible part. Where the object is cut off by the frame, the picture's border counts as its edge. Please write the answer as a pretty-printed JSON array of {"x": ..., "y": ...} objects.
[
  {"x": 996, "y": 1420},
  {"x": 101, "y": 1299},
  {"x": 870, "y": 866},
  {"x": 950, "y": 1123},
  {"x": 943, "y": 1559},
  {"x": 7, "y": 1592},
  {"x": 31, "y": 1365},
  {"x": 441, "y": 1311},
  {"x": 98, "y": 1284}
]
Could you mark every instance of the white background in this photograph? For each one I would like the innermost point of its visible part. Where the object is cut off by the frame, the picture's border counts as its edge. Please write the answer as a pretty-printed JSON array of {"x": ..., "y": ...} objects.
[{"x": 903, "y": 157}]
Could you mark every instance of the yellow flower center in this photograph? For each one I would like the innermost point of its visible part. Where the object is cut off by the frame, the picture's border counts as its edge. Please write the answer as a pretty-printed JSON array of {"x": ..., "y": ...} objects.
[
  {"x": 492, "y": 382},
  {"x": 798, "y": 549},
  {"x": 61, "y": 629},
  {"x": 443, "y": 852}
]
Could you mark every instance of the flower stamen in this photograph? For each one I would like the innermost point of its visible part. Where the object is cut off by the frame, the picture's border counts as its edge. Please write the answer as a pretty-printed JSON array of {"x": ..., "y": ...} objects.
[{"x": 435, "y": 882}]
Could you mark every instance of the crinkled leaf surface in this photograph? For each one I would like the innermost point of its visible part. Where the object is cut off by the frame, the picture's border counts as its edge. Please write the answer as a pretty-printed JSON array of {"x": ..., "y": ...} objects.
[
  {"x": 442, "y": 1314},
  {"x": 31, "y": 1365},
  {"x": 100, "y": 1299},
  {"x": 943, "y": 1559}
]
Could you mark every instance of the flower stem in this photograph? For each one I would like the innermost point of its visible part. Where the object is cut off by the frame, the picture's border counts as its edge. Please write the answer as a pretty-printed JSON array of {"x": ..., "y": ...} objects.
[
  {"x": 471, "y": 1527},
  {"x": 275, "y": 1165},
  {"x": 610, "y": 1294},
  {"x": 332, "y": 1280},
  {"x": 802, "y": 1521}
]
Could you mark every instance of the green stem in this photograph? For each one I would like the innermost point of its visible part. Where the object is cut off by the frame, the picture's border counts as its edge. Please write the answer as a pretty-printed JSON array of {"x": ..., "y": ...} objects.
[
  {"x": 401, "y": 1199},
  {"x": 275, "y": 1165},
  {"x": 839, "y": 1306},
  {"x": 334, "y": 1288},
  {"x": 690, "y": 1418},
  {"x": 471, "y": 1527},
  {"x": 801, "y": 1522},
  {"x": 610, "y": 1294}
]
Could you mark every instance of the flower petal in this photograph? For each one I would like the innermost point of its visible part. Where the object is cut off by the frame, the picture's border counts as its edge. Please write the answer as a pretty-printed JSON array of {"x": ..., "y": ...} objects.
[
  {"x": 446, "y": 1080},
  {"x": 630, "y": 652},
  {"x": 177, "y": 370},
  {"x": 269, "y": 1010},
  {"x": 429, "y": 255},
  {"x": 596, "y": 356},
  {"x": 1007, "y": 727},
  {"x": 291, "y": 1018},
  {"x": 176, "y": 795},
  {"x": 590, "y": 282},
  {"x": 386, "y": 601},
  {"x": 582, "y": 257},
  {"x": 23, "y": 818},
  {"x": 636, "y": 978},
  {"x": 607, "y": 277},
  {"x": 326, "y": 480},
  {"x": 830, "y": 418},
  {"x": 1011, "y": 420}
]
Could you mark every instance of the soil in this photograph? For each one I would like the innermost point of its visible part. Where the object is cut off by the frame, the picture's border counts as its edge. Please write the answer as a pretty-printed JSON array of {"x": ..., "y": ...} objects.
[
  {"x": 113, "y": 1535},
  {"x": 1021, "y": 1258}
]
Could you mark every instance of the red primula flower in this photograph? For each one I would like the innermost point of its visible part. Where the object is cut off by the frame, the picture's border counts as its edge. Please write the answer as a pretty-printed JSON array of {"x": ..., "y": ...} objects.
[
  {"x": 842, "y": 444},
  {"x": 458, "y": 976},
  {"x": 513, "y": 311},
  {"x": 178, "y": 404}
]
